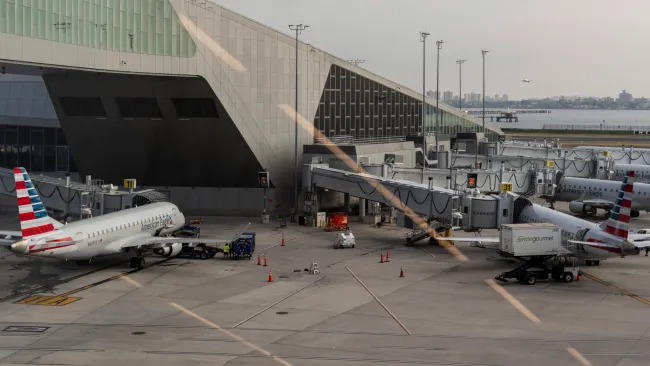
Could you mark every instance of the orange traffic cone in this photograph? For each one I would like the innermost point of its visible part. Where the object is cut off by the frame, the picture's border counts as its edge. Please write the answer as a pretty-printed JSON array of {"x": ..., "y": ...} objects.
[
  {"x": 270, "y": 276},
  {"x": 382, "y": 258},
  {"x": 401, "y": 272},
  {"x": 387, "y": 256},
  {"x": 282, "y": 240},
  {"x": 265, "y": 264},
  {"x": 578, "y": 278},
  {"x": 259, "y": 260}
]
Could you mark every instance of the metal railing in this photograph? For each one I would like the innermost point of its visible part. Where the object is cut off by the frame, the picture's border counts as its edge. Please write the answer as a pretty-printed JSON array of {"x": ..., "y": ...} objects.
[
  {"x": 351, "y": 140},
  {"x": 599, "y": 127}
]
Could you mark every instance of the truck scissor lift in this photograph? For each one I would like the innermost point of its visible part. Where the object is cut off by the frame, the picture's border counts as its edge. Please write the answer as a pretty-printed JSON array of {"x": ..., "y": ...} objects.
[{"x": 534, "y": 268}]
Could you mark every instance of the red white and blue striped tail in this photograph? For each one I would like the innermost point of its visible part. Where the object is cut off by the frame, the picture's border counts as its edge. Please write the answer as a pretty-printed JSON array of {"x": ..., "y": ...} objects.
[
  {"x": 618, "y": 223},
  {"x": 34, "y": 220}
]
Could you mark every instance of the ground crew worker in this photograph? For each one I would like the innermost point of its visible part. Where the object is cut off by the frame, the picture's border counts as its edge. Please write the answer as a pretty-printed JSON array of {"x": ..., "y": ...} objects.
[
  {"x": 647, "y": 249},
  {"x": 226, "y": 249}
]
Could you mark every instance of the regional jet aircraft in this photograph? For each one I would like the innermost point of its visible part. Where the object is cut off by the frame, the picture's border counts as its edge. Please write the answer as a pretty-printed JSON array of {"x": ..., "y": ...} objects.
[
  {"x": 586, "y": 196},
  {"x": 593, "y": 242},
  {"x": 136, "y": 229},
  {"x": 526, "y": 80},
  {"x": 641, "y": 172}
]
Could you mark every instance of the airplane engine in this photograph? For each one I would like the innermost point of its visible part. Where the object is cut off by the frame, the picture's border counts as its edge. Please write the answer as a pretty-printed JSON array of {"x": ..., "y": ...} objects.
[
  {"x": 578, "y": 207},
  {"x": 169, "y": 250}
]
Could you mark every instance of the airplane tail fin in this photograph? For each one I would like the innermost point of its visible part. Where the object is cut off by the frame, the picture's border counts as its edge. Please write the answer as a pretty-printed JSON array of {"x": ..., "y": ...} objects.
[
  {"x": 34, "y": 219},
  {"x": 618, "y": 223}
]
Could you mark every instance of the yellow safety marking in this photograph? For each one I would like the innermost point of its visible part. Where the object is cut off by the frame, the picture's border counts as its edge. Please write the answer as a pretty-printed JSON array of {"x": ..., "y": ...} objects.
[
  {"x": 626, "y": 293},
  {"x": 47, "y": 300}
]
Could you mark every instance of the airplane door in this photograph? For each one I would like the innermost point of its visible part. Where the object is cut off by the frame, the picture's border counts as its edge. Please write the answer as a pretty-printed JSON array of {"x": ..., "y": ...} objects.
[{"x": 79, "y": 238}]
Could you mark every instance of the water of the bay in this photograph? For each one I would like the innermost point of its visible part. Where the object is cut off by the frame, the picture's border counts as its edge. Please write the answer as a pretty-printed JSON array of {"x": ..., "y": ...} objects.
[{"x": 576, "y": 117}]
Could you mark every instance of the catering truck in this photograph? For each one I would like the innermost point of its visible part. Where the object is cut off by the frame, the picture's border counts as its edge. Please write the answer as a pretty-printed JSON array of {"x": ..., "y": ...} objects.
[
  {"x": 525, "y": 240},
  {"x": 534, "y": 245}
]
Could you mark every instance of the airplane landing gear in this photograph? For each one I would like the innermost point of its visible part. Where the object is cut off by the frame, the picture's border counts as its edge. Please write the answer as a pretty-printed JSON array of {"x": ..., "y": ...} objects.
[
  {"x": 634, "y": 213},
  {"x": 592, "y": 262},
  {"x": 137, "y": 262}
]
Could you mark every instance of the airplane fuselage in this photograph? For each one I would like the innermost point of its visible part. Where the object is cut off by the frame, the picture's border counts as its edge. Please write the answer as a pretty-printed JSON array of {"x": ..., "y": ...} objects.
[
  {"x": 573, "y": 228},
  {"x": 641, "y": 172},
  {"x": 572, "y": 189},
  {"x": 104, "y": 235}
]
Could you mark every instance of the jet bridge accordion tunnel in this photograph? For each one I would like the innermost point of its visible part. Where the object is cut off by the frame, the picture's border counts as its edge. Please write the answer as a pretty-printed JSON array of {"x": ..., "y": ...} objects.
[{"x": 445, "y": 206}]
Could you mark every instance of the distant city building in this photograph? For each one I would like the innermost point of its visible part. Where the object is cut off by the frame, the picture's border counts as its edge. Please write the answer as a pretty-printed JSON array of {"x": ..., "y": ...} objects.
[
  {"x": 448, "y": 96},
  {"x": 432, "y": 94},
  {"x": 504, "y": 98},
  {"x": 624, "y": 97}
]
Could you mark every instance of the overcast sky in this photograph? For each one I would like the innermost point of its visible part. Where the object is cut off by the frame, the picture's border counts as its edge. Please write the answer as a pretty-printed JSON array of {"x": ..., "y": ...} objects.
[{"x": 566, "y": 47}]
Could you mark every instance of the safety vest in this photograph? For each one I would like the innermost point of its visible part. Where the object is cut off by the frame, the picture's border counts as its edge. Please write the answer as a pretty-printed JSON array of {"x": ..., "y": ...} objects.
[{"x": 226, "y": 248}]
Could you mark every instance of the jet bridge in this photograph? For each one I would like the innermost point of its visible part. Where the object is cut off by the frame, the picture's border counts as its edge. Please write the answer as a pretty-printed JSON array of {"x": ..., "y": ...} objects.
[
  {"x": 468, "y": 210},
  {"x": 78, "y": 199}
]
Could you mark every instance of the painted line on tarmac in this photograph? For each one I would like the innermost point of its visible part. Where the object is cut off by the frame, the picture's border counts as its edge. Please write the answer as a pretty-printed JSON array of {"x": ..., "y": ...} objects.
[
  {"x": 269, "y": 307},
  {"x": 113, "y": 278},
  {"x": 379, "y": 301},
  {"x": 607, "y": 284},
  {"x": 532, "y": 317},
  {"x": 428, "y": 252},
  {"x": 63, "y": 299},
  {"x": 57, "y": 283},
  {"x": 229, "y": 334}
]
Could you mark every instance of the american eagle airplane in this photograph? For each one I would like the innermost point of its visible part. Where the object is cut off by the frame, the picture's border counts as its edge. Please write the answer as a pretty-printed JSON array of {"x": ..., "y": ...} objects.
[
  {"x": 586, "y": 196},
  {"x": 593, "y": 242},
  {"x": 134, "y": 229},
  {"x": 641, "y": 172}
]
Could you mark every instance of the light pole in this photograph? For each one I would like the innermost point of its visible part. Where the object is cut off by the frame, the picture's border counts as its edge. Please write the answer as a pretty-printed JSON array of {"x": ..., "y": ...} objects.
[
  {"x": 298, "y": 28},
  {"x": 423, "y": 38},
  {"x": 483, "y": 52},
  {"x": 438, "y": 114},
  {"x": 460, "y": 84}
]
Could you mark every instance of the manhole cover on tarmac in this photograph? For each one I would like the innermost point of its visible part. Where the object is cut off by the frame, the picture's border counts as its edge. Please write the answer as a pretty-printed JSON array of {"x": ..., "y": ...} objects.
[
  {"x": 282, "y": 312},
  {"x": 138, "y": 333}
]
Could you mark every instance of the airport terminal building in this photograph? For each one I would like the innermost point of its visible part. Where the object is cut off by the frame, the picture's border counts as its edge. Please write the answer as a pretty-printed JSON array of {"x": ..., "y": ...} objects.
[{"x": 190, "y": 98}]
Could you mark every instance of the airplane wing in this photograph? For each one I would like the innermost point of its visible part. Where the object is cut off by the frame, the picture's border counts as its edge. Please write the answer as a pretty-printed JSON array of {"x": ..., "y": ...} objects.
[
  {"x": 155, "y": 241},
  {"x": 9, "y": 237}
]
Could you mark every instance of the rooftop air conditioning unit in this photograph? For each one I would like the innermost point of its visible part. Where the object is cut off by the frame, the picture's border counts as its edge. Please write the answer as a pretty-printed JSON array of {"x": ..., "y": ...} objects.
[{"x": 364, "y": 160}]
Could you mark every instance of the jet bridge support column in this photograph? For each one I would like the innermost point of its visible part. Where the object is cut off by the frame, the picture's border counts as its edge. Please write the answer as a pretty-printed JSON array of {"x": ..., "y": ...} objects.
[
  {"x": 362, "y": 208},
  {"x": 346, "y": 202}
]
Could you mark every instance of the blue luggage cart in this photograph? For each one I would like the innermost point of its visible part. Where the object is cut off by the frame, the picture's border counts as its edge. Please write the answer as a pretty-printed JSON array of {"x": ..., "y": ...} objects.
[{"x": 244, "y": 246}]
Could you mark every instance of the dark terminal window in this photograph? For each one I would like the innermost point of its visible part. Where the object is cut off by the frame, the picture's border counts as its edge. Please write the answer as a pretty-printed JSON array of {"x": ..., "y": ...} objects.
[
  {"x": 138, "y": 107},
  {"x": 195, "y": 108},
  {"x": 82, "y": 107}
]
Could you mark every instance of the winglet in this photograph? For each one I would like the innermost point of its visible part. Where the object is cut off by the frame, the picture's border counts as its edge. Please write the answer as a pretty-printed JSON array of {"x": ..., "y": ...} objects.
[
  {"x": 34, "y": 219},
  {"x": 618, "y": 223}
]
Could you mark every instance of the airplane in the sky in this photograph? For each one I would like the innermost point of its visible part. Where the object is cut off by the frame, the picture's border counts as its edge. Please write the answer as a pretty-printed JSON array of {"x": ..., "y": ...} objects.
[
  {"x": 586, "y": 196},
  {"x": 136, "y": 229},
  {"x": 526, "y": 80},
  {"x": 592, "y": 242}
]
